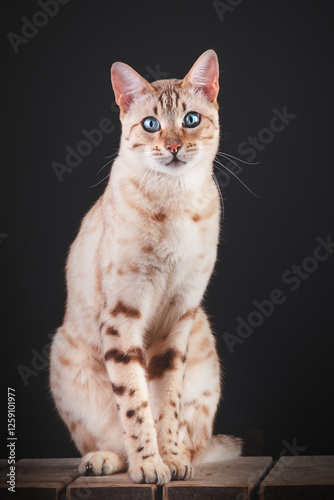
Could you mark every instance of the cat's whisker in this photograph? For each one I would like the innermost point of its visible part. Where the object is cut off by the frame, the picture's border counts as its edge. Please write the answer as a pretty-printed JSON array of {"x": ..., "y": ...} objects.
[
  {"x": 94, "y": 185},
  {"x": 108, "y": 163},
  {"x": 114, "y": 154},
  {"x": 224, "y": 135},
  {"x": 228, "y": 156},
  {"x": 152, "y": 179},
  {"x": 156, "y": 179},
  {"x": 232, "y": 161},
  {"x": 220, "y": 193},
  {"x": 142, "y": 180},
  {"x": 139, "y": 189},
  {"x": 147, "y": 171},
  {"x": 232, "y": 173},
  {"x": 149, "y": 180}
]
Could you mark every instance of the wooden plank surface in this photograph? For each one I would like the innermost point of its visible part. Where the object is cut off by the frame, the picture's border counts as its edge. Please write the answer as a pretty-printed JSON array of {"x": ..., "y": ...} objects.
[
  {"x": 299, "y": 478},
  {"x": 292, "y": 478},
  {"x": 231, "y": 479},
  {"x": 40, "y": 479},
  {"x": 115, "y": 487}
]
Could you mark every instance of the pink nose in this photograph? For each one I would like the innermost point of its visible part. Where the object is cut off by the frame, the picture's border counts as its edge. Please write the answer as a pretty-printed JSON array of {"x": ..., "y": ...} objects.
[{"x": 174, "y": 148}]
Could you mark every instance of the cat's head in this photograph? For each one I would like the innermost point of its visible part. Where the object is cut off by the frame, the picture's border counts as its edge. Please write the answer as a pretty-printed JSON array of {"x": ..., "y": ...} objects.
[{"x": 169, "y": 125}]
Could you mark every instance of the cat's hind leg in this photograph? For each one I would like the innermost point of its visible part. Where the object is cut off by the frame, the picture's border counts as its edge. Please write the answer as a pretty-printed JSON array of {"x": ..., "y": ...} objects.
[{"x": 85, "y": 400}]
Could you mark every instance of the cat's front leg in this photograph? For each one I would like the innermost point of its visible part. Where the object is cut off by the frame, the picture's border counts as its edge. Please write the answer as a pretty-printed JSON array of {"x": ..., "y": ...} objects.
[
  {"x": 121, "y": 332},
  {"x": 166, "y": 371}
]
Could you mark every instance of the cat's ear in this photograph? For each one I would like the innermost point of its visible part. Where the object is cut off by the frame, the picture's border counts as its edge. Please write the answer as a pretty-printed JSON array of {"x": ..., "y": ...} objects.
[
  {"x": 127, "y": 84},
  {"x": 204, "y": 74}
]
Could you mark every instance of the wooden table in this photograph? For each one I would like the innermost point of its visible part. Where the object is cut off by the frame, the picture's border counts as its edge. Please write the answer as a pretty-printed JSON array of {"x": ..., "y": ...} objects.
[{"x": 243, "y": 478}]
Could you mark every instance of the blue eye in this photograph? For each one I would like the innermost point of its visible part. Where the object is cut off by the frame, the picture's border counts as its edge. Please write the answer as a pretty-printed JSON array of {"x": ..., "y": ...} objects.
[
  {"x": 151, "y": 124},
  {"x": 191, "y": 120}
]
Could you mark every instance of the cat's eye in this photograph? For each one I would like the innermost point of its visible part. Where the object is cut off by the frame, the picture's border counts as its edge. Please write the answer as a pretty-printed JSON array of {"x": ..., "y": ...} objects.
[
  {"x": 151, "y": 124},
  {"x": 191, "y": 120}
]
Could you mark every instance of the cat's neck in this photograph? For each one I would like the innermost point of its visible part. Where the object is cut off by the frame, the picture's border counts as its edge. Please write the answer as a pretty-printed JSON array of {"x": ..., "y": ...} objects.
[{"x": 162, "y": 189}]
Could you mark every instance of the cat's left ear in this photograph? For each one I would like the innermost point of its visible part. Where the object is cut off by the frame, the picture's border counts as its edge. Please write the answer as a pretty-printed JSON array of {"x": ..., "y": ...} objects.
[
  {"x": 204, "y": 74},
  {"x": 127, "y": 84}
]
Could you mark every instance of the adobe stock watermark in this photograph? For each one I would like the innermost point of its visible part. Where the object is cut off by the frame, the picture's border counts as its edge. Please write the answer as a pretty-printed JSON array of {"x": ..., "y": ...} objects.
[
  {"x": 277, "y": 123},
  {"x": 223, "y": 7},
  {"x": 290, "y": 452},
  {"x": 292, "y": 278},
  {"x": 39, "y": 361},
  {"x": 293, "y": 450},
  {"x": 84, "y": 148},
  {"x": 250, "y": 147},
  {"x": 94, "y": 137},
  {"x": 30, "y": 27}
]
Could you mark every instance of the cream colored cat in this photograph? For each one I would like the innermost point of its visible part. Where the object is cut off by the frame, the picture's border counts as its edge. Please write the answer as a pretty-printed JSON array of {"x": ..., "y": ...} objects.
[{"x": 134, "y": 369}]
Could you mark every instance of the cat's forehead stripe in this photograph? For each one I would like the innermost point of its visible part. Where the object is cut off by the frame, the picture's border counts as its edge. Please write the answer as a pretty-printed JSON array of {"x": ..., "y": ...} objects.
[
  {"x": 168, "y": 95},
  {"x": 169, "y": 99}
]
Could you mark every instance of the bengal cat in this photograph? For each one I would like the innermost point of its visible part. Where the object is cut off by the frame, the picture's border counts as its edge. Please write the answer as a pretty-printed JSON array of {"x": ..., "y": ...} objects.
[{"x": 134, "y": 368}]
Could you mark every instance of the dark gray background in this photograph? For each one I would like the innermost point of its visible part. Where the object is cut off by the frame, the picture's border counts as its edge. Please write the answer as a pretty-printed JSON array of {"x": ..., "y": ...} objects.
[{"x": 272, "y": 54}]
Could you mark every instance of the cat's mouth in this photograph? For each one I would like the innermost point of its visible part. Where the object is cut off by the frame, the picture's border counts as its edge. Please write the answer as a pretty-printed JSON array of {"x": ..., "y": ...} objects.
[{"x": 175, "y": 162}]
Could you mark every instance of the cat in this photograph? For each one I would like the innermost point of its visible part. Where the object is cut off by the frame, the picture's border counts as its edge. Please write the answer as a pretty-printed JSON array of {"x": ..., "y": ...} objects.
[{"x": 134, "y": 370}]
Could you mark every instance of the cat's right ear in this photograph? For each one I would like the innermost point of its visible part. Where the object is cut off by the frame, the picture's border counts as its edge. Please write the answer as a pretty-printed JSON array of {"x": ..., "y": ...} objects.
[{"x": 127, "y": 84}]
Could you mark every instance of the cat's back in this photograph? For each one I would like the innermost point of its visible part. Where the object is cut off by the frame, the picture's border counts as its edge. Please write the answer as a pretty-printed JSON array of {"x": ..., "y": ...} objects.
[{"x": 81, "y": 269}]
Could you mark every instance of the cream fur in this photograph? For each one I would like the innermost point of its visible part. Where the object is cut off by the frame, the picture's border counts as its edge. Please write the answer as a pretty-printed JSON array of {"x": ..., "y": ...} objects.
[{"x": 134, "y": 369}]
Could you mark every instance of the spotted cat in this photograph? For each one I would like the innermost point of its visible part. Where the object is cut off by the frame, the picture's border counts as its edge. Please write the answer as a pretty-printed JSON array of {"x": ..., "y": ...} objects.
[{"x": 134, "y": 368}]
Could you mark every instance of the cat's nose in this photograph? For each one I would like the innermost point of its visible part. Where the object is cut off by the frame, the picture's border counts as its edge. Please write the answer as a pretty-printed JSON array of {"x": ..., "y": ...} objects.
[{"x": 173, "y": 148}]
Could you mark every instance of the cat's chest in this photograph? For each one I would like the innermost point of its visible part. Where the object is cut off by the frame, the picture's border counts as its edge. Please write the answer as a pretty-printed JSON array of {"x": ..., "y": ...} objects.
[
  {"x": 178, "y": 240},
  {"x": 179, "y": 258},
  {"x": 166, "y": 243}
]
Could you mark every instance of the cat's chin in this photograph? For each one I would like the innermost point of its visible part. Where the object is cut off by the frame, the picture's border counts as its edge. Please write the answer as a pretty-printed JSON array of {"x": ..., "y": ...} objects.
[
  {"x": 174, "y": 168},
  {"x": 175, "y": 163}
]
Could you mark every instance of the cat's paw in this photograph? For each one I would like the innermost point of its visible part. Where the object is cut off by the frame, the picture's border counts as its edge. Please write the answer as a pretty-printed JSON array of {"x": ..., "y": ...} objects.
[
  {"x": 180, "y": 469},
  {"x": 153, "y": 472},
  {"x": 100, "y": 463}
]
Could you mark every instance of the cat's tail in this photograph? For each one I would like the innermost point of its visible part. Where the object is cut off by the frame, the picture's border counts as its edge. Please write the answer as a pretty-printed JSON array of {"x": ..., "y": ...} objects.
[{"x": 222, "y": 447}]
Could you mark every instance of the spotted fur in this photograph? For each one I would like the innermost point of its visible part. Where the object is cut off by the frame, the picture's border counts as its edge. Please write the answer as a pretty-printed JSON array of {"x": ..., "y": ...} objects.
[{"x": 134, "y": 368}]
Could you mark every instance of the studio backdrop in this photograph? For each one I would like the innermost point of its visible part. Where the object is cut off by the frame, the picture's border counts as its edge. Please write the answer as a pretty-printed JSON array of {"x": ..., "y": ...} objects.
[{"x": 270, "y": 299}]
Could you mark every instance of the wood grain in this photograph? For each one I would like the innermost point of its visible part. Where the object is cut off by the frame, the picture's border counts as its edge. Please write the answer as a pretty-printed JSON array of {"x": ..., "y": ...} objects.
[
  {"x": 292, "y": 478},
  {"x": 40, "y": 478},
  {"x": 115, "y": 487},
  {"x": 299, "y": 478},
  {"x": 232, "y": 479}
]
